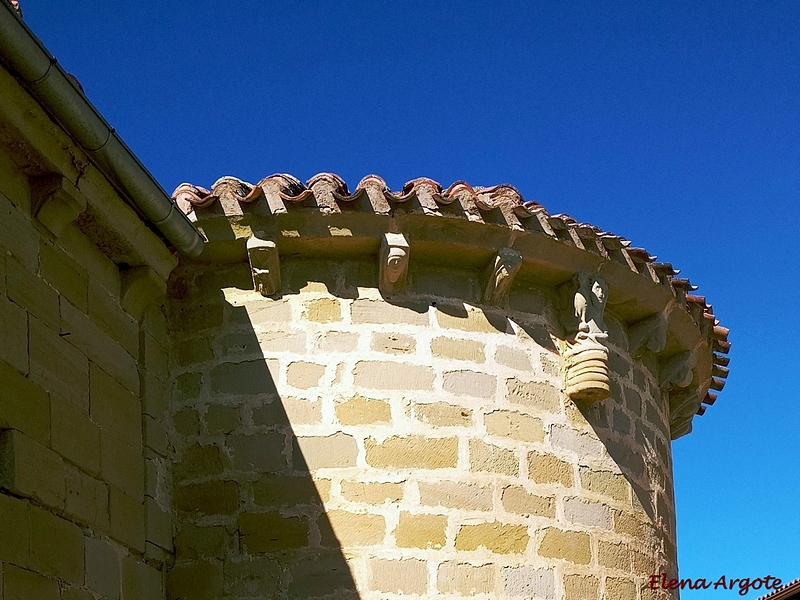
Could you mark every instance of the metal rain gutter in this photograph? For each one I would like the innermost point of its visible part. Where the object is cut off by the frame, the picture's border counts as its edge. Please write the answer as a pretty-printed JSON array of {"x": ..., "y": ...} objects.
[{"x": 25, "y": 55}]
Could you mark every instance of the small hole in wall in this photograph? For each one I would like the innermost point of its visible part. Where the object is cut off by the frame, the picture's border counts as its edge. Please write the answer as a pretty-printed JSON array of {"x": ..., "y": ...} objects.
[{"x": 433, "y": 303}]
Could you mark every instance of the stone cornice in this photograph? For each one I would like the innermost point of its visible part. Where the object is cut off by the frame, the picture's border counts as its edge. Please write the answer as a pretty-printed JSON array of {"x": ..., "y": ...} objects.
[{"x": 476, "y": 227}]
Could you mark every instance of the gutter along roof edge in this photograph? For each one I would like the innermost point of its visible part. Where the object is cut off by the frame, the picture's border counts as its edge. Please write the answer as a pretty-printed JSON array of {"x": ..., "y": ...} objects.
[{"x": 27, "y": 58}]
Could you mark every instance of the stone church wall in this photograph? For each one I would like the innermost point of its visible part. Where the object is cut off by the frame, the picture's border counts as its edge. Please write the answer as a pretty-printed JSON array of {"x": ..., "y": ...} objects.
[
  {"x": 82, "y": 407},
  {"x": 333, "y": 442}
]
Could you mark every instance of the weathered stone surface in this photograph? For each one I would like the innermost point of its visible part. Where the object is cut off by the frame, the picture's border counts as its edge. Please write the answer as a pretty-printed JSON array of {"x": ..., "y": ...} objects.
[
  {"x": 343, "y": 528},
  {"x": 516, "y": 358},
  {"x": 393, "y": 343},
  {"x": 194, "y": 541},
  {"x": 14, "y": 332},
  {"x": 486, "y": 457},
  {"x": 87, "y": 499},
  {"x": 222, "y": 418},
  {"x": 337, "y": 341},
  {"x": 304, "y": 375},
  {"x": 541, "y": 396},
  {"x": 20, "y": 584},
  {"x": 473, "y": 320},
  {"x": 607, "y": 483},
  {"x": 200, "y": 580},
  {"x": 592, "y": 514},
  {"x": 375, "y": 311},
  {"x": 126, "y": 515},
  {"x": 312, "y": 453},
  {"x": 392, "y": 376},
  {"x": 56, "y": 546},
  {"x": 408, "y": 576},
  {"x": 140, "y": 580},
  {"x": 29, "y": 469},
  {"x": 324, "y": 310},
  {"x": 585, "y": 587},
  {"x": 321, "y": 574},
  {"x": 260, "y": 452},
  {"x": 271, "y": 532},
  {"x": 159, "y": 525},
  {"x": 569, "y": 545},
  {"x": 375, "y": 493},
  {"x": 514, "y": 425},
  {"x": 258, "y": 576},
  {"x": 421, "y": 531},
  {"x": 455, "y": 494},
  {"x": 245, "y": 378},
  {"x": 32, "y": 293},
  {"x": 469, "y": 350},
  {"x": 544, "y": 468},
  {"x": 361, "y": 411},
  {"x": 412, "y": 452},
  {"x": 121, "y": 465},
  {"x": 518, "y": 500},
  {"x": 211, "y": 498},
  {"x": 14, "y": 536},
  {"x": 469, "y": 383},
  {"x": 529, "y": 582},
  {"x": 614, "y": 555},
  {"x": 114, "y": 408},
  {"x": 26, "y": 406},
  {"x": 583, "y": 444},
  {"x": 102, "y": 568},
  {"x": 275, "y": 490},
  {"x": 67, "y": 377},
  {"x": 500, "y": 538},
  {"x": 442, "y": 414},
  {"x": 93, "y": 341},
  {"x": 465, "y": 579},
  {"x": 620, "y": 587},
  {"x": 270, "y": 342}
]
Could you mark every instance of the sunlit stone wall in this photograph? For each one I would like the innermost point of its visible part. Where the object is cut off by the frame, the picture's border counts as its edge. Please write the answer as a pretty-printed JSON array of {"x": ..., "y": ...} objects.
[{"x": 331, "y": 442}]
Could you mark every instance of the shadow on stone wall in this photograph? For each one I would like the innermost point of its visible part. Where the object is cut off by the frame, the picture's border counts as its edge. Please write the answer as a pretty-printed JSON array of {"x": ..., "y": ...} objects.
[{"x": 250, "y": 521}]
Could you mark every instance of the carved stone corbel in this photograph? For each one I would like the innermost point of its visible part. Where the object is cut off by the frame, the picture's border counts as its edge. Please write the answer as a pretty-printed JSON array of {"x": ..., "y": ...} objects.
[
  {"x": 676, "y": 370},
  {"x": 683, "y": 406},
  {"x": 264, "y": 265},
  {"x": 55, "y": 202},
  {"x": 501, "y": 276},
  {"x": 140, "y": 287},
  {"x": 585, "y": 356},
  {"x": 393, "y": 263},
  {"x": 649, "y": 334}
]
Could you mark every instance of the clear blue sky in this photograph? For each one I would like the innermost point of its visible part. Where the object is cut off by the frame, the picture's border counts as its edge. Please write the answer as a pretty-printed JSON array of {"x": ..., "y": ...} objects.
[{"x": 674, "y": 124}]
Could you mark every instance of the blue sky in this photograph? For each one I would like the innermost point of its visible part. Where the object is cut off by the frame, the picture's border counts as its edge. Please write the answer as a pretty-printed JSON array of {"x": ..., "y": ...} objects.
[{"x": 674, "y": 124}]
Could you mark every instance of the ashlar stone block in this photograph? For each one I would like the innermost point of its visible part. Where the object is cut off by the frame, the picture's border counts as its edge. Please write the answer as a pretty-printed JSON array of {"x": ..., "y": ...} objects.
[
  {"x": 408, "y": 576},
  {"x": 500, "y": 538},
  {"x": 269, "y": 532},
  {"x": 340, "y": 527},
  {"x": 465, "y": 579},
  {"x": 363, "y": 411},
  {"x": 529, "y": 582},
  {"x": 57, "y": 547},
  {"x": 30, "y": 469},
  {"x": 572, "y": 546},
  {"x": 421, "y": 531},
  {"x": 21, "y": 584},
  {"x": 485, "y": 457},
  {"x": 102, "y": 568},
  {"x": 416, "y": 452},
  {"x": 518, "y": 500},
  {"x": 514, "y": 425}
]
